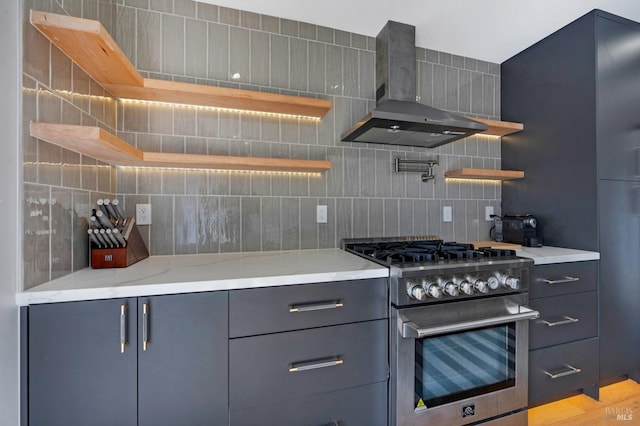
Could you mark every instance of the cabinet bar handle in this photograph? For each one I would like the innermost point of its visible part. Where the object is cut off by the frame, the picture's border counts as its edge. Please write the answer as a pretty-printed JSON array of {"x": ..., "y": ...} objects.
[
  {"x": 571, "y": 370},
  {"x": 307, "y": 307},
  {"x": 303, "y": 366},
  {"x": 560, "y": 281},
  {"x": 145, "y": 326},
  {"x": 123, "y": 327},
  {"x": 566, "y": 320}
]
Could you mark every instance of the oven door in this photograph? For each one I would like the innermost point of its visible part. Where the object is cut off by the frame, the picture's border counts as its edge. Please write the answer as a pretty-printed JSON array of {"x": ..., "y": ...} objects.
[{"x": 461, "y": 362}]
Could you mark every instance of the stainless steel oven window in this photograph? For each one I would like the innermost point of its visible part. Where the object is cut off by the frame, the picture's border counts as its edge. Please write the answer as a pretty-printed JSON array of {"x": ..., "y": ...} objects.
[{"x": 461, "y": 365}]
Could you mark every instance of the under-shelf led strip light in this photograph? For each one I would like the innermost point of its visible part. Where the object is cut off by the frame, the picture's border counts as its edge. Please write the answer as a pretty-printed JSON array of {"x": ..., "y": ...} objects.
[{"x": 222, "y": 109}]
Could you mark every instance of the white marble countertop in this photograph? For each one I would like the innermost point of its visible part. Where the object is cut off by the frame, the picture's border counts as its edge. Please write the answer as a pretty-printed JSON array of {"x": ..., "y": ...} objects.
[
  {"x": 546, "y": 254},
  {"x": 205, "y": 272}
]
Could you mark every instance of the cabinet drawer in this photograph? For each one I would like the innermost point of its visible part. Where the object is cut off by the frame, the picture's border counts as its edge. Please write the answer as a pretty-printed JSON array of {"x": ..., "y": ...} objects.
[
  {"x": 275, "y": 309},
  {"x": 262, "y": 369},
  {"x": 563, "y": 278},
  {"x": 364, "y": 405},
  {"x": 564, "y": 319},
  {"x": 559, "y": 361}
]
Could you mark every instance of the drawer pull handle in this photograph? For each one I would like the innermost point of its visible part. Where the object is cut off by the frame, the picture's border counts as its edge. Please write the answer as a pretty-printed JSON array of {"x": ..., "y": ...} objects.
[
  {"x": 123, "y": 327},
  {"x": 560, "y": 281},
  {"x": 145, "y": 326},
  {"x": 308, "y": 307},
  {"x": 571, "y": 370},
  {"x": 566, "y": 320},
  {"x": 303, "y": 366}
]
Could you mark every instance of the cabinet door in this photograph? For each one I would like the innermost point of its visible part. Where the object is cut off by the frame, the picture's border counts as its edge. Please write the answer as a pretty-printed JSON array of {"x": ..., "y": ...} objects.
[
  {"x": 619, "y": 278},
  {"x": 618, "y": 100},
  {"x": 183, "y": 364},
  {"x": 78, "y": 374}
]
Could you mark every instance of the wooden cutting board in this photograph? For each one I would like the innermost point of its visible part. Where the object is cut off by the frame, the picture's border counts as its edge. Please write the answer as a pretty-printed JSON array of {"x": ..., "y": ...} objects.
[{"x": 495, "y": 244}]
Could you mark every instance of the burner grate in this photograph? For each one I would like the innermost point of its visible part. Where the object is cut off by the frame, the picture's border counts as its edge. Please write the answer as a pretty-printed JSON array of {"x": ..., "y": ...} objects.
[{"x": 404, "y": 250}]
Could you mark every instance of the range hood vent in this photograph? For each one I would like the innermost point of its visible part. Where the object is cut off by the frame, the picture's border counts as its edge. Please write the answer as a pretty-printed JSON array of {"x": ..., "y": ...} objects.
[{"x": 397, "y": 118}]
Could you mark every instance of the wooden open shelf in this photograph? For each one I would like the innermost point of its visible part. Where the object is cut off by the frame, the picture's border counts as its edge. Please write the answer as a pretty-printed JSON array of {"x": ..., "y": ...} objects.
[
  {"x": 487, "y": 174},
  {"x": 90, "y": 46},
  {"x": 97, "y": 143},
  {"x": 499, "y": 128}
]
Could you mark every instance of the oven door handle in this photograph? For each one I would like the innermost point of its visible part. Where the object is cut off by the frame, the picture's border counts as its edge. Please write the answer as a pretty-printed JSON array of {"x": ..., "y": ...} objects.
[{"x": 413, "y": 331}]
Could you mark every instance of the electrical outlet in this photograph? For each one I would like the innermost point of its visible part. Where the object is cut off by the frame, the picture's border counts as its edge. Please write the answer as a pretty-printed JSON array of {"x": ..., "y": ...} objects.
[
  {"x": 321, "y": 214},
  {"x": 488, "y": 211},
  {"x": 447, "y": 214},
  {"x": 143, "y": 214}
]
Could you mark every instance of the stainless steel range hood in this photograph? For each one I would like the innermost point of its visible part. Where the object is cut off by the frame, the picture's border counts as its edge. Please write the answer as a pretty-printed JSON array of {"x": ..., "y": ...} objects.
[{"x": 398, "y": 119}]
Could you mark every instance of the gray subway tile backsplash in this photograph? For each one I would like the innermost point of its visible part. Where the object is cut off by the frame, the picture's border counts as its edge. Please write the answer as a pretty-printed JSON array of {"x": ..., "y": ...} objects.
[{"x": 217, "y": 211}]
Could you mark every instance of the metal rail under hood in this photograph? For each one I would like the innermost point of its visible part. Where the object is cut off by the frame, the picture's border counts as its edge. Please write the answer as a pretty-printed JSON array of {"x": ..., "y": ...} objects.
[{"x": 397, "y": 118}]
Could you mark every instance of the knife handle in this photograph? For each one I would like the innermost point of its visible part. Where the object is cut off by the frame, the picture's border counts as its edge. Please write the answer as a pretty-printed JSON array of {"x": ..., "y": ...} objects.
[
  {"x": 104, "y": 220},
  {"x": 100, "y": 237},
  {"x": 116, "y": 233},
  {"x": 116, "y": 204},
  {"x": 93, "y": 238},
  {"x": 112, "y": 238}
]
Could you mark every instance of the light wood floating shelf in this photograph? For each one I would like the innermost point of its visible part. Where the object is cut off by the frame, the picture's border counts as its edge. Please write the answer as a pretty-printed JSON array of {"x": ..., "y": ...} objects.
[
  {"x": 499, "y": 128},
  {"x": 487, "y": 174},
  {"x": 97, "y": 143},
  {"x": 89, "y": 45}
]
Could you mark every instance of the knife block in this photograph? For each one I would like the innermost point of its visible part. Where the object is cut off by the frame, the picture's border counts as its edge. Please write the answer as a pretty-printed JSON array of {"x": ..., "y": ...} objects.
[{"x": 120, "y": 257}]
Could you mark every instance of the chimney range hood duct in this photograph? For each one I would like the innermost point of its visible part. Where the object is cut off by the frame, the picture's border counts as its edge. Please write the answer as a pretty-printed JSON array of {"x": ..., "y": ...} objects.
[{"x": 397, "y": 118}]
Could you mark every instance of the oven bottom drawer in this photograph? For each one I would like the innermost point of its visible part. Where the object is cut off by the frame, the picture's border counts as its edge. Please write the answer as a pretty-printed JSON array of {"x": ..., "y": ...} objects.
[
  {"x": 359, "y": 406},
  {"x": 560, "y": 370},
  {"x": 277, "y": 367}
]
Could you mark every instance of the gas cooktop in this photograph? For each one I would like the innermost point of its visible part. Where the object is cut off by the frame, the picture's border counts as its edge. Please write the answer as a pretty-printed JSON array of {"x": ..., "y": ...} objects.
[{"x": 409, "y": 251}]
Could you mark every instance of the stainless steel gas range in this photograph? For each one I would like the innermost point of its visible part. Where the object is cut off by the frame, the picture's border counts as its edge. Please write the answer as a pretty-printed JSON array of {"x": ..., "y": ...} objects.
[{"x": 458, "y": 331}]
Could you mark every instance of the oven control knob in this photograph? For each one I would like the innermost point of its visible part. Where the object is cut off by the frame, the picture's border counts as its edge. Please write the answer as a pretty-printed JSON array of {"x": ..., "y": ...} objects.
[
  {"x": 415, "y": 291},
  {"x": 433, "y": 290},
  {"x": 511, "y": 282},
  {"x": 451, "y": 289},
  {"x": 465, "y": 287},
  {"x": 481, "y": 286},
  {"x": 493, "y": 283}
]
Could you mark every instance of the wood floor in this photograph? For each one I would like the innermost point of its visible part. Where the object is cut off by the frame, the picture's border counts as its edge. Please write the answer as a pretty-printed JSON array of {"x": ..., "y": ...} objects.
[{"x": 619, "y": 405}]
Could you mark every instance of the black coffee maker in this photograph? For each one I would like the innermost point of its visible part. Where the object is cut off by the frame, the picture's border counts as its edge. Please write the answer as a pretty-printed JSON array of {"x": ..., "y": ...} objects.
[{"x": 518, "y": 229}]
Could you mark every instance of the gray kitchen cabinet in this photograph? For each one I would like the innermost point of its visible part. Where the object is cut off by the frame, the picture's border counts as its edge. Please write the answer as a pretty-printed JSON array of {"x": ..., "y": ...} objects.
[
  {"x": 311, "y": 354},
  {"x": 183, "y": 374},
  {"x": 560, "y": 370},
  {"x": 564, "y": 319},
  {"x": 276, "y": 367},
  {"x": 566, "y": 326},
  {"x": 620, "y": 279},
  {"x": 78, "y": 373},
  {"x": 577, "y": 92},
  {"x": 359, "y": 406},
  {"x": 270, "y": 310}
]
